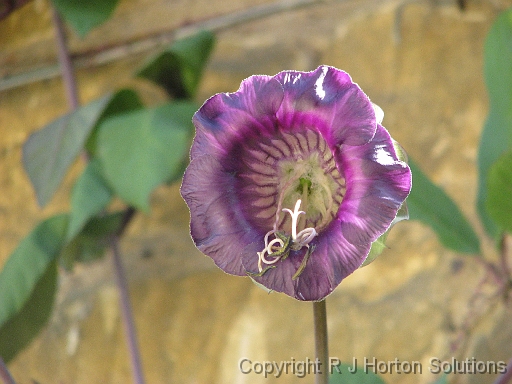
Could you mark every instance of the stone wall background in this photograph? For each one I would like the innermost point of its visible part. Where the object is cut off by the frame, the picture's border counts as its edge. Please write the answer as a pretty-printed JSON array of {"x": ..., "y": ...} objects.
[{"x": 421, "y": 61}]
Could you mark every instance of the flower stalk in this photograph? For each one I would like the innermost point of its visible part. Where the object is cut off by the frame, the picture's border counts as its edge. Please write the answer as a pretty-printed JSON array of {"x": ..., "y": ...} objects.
[{"x": 321, "y": 341}]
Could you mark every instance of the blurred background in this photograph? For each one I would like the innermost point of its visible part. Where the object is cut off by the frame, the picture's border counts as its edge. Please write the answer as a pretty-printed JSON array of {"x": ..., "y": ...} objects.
[{"x": 421, "y": 61}]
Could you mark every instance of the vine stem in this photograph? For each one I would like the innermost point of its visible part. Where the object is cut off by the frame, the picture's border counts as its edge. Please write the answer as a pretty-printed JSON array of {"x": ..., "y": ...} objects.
[
  {"x": 321, "y": 342},
  {"x": 66, "y": 65},
  {"x": 126, "y": 309},
  {"x": 70, "y": 84},
  {"x": 4, "y": 373}
]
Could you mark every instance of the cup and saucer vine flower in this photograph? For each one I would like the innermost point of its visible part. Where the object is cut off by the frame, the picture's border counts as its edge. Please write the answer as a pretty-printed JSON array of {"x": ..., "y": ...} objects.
[{"x": 291, "y": 179}]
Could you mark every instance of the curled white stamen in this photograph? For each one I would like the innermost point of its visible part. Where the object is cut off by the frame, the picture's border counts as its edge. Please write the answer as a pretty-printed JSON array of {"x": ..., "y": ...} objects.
[
  {"x": 262, "y": 258},
  {"x": 267, "y": 235},
  {"x": 305, "y": 237},
  {"x": 269, "y": 249},
  {"x": 298, "y": 240}
]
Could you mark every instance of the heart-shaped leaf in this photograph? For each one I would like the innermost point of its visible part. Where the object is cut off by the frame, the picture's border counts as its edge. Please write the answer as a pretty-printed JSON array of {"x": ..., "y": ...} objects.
[
  {"x": 48, "y": 153},
  {"x": 342, "y": 373},
  {"x": 90, "y": 244},
  {"x": 85, "y": 15},
  {"x": 497, "y": 134},
  {"x": 431, "y": 205},
  {"x": 142, "y": 149},
  {"x": 499, "y": 192},
  {"x": 178, "y": 70},
  {"x": 90, "y": 195},
  {"x": 27, "y": 283}
]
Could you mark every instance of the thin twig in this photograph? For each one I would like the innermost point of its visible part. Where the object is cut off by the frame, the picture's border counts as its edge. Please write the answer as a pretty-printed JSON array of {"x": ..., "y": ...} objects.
[
  {"x": 126, "y": 309},
  {"x": 148, "y": 43},
  {"x": 5, "y": 375},
  {"x": 321, "y": 342},
  {"x": 66, "y": 66},
  {"x": 506, "y": 376},
  {"x": 504, "y": 250}
]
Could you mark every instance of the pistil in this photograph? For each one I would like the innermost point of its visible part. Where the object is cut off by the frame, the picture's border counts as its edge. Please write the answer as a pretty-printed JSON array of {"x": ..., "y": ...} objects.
[{"x": 279, "y": 247}]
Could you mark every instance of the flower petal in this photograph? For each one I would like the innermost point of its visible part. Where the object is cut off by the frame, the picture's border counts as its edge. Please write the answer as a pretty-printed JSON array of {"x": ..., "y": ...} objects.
[
  {"x": 217, "y": 226},
  {"x": 228, "y": 118},
  {"x": 278, "y": 279},
  {"x": 377, "y": 185},
  {"x": 329, "y": 99},
  {"x": 332, "y": 259}
]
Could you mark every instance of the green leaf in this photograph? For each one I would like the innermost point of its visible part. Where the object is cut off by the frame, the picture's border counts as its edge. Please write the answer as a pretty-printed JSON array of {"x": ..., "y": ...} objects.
[
  {"x": 497, "y": 134},
  {"x": 90, "y": 195},
  {"x": 48, "y": 153},
  {"x": 442, "y": 380},
  {"x": 344, "y": 374},
  {"x": 85, "y": 15},
  {"x": 25, "y": 272},
  {"x": 124, "y": 100},
  {"x": 379, "y": 245},
  {"x": 178, "y": 70},
  {"x": 25, "y": 324},
  {"x": 90, "y": 244},
  {"x": 432, "y": 206},
  {"x": 499, "y": 192},
  {"x": 143, "y": 149}
]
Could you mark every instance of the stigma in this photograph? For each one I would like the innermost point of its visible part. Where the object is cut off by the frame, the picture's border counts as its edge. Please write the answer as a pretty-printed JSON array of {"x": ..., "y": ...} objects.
[{"x": 280, "y": 246}]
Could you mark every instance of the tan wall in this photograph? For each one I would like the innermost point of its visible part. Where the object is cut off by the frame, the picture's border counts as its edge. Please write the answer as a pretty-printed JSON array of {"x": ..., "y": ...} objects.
[{"x": 196, "y": 322}]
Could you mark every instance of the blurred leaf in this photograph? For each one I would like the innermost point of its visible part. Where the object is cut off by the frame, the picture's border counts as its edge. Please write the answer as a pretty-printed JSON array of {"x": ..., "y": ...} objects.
[
  {"x": 431, "y": 205},
  {"x": 497, "y": 134},
  {"x": 442, "y": 380},
  {"x": 25, "y": 278},
  {"x": 379, "y": 245},
  {"x": 346, "y": 376},
  {"x": 48, "y": 153},
  {"x": 85, "y": 15},
  {"x": 25, "y": 324},
  {"x": 178, "y": 70},
  {"x": 124, "y": 100},
  {"x": 90, "y": 244},
  {"x": 499, "y": 192},
  {"x": 143, "y": 149},
  {"x": 90, "y": 195}
]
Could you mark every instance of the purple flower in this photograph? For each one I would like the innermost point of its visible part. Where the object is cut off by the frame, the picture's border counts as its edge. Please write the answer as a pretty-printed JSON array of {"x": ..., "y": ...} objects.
[{"x": 291, "y": 179}]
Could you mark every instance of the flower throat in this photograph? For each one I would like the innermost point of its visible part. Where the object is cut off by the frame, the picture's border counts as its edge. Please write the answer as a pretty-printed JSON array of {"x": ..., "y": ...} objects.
[{"x": 292, "y": 170}]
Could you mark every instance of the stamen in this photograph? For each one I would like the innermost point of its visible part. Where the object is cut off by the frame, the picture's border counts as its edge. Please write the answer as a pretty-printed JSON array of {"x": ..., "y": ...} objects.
[
  {"x": 271, "y": 244},
  {"x": 262, "y": 258},
  {"x": 279, "y": 247},
  {"x": 305, "y": 237}
]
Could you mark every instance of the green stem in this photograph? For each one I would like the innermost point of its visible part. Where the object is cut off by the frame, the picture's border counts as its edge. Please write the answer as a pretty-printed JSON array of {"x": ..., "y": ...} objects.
[{"x": 321, "y": 342}]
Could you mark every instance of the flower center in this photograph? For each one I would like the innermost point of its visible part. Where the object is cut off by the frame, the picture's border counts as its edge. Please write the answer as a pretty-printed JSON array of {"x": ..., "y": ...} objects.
[
  {"x": 289, "y": 170},
  {"x": 276, "y": 172}
]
